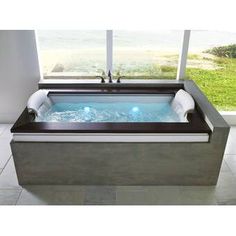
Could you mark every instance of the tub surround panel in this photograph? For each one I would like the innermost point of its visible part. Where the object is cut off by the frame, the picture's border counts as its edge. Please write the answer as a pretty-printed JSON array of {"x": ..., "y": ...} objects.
[{"x": 118, "y": 163}]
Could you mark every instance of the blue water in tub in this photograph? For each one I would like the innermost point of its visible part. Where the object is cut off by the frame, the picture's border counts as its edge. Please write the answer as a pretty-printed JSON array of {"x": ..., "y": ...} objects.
[{"x": 109, "y": 108}]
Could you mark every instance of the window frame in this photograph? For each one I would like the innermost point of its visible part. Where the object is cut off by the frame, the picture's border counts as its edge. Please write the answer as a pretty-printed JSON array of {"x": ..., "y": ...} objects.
[{"x": 182, "y": 61}]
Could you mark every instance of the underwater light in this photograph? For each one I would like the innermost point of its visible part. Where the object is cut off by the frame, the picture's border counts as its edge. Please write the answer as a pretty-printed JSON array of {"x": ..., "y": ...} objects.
[
  {"x": 135, "y": 109},
  {"x": 87, "y": 109}
]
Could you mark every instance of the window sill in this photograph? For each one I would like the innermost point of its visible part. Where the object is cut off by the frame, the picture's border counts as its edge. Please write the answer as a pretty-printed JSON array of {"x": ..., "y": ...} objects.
[{"x": 83, "y": 82}]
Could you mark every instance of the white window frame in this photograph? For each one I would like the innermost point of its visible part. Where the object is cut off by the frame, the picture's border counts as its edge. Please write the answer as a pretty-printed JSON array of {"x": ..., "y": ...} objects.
[
  {"x": 109, "y": 52},
  {"x": 109, "y": 56},
  {"x": 183, "y": 55}
]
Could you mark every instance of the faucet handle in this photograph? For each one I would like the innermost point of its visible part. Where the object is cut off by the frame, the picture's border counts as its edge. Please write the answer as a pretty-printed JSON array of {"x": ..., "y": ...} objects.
[
  {"x": 102, "y": 79},
  {"x": 119, "y": 79}
]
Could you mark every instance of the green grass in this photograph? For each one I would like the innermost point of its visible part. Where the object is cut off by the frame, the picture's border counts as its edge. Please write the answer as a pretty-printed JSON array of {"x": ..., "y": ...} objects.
[
  {"x": 219, "y": 85},
  {"x": 170, "y": 69},
  {"x": 228, "y": 51},
  {"x": 153, "y": 71},
  {"x": 193, "y": 57}
]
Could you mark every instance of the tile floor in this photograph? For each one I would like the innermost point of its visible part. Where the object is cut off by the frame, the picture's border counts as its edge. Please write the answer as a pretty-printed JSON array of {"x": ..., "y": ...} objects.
[{"x": 13, "y": 194}]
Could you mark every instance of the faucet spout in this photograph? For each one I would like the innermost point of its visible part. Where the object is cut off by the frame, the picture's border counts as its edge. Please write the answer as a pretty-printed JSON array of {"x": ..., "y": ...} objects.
[{"x": 110, "y": 76}]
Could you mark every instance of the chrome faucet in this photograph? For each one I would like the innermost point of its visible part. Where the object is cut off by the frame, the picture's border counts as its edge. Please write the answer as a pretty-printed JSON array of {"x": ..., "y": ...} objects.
[{"x": 110, "y": 77}]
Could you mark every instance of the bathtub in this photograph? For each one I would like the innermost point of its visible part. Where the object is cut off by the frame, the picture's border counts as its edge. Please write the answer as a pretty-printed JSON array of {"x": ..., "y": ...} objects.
[{"x": 119, "y": 135}]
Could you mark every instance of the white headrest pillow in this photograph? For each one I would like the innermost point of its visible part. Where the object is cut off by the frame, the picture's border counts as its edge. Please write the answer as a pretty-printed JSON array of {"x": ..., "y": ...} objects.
[
  {"x": 36, "y": 100},
  {"x": 183, "y": 103}
]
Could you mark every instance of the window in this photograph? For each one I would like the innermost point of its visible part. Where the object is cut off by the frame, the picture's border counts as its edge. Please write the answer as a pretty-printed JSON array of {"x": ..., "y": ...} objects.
[
  {"x": 72, "y": 53},
  {"x": 212, "y": 65},
  {"x": 147, "y": 53}
]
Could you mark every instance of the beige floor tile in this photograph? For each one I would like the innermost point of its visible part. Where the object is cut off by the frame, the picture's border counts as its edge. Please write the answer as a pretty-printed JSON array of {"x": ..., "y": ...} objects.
[
  {"x": 9, "y": 196},
  {"x": 231, "y": 143},
  {"x": 5, "y": 154},
  {"x": 231, "y": 162},
  {"x": 198, "y": 195},
  {"x": 134, "y": 197},
  {"x": 100, "y": 195},
  {"x": 226, "y": 195},
  {"x": 224, "y": 167},
  {"x": 2, "y": 128},
  {"x": 226, "y": 179},
  {"x": 6, "y": 132},
  {"x": 150, "y": 195},
  {"x": 51, "y": 195},
  {"x": 8, "y": 178}
]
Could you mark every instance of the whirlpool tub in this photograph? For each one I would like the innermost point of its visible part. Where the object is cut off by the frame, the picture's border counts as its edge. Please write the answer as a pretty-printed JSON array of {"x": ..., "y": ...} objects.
[{"x": 122, "y": 135}]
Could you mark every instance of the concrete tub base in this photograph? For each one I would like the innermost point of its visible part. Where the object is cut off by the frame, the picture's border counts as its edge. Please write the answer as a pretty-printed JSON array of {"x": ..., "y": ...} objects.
[{"x": 120, "y": 163}]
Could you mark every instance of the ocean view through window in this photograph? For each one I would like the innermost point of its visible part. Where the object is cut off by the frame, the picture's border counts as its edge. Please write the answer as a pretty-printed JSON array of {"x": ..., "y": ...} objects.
[
  {"x": 153, "y": 54},
  {"x": 150, "y": 54},
  {"x": 72, "y": 52}
]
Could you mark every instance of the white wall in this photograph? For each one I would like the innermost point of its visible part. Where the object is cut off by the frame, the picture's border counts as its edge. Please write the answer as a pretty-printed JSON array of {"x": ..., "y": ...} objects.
[{"x": 19, "y": 72}]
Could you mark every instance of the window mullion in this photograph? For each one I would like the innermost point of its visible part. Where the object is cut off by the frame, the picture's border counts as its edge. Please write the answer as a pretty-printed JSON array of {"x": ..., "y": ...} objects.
[
  {"x": 109, "y": 44},
  {"x": 183, "y": 55}
]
